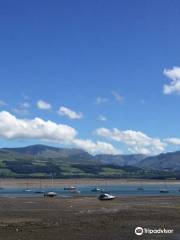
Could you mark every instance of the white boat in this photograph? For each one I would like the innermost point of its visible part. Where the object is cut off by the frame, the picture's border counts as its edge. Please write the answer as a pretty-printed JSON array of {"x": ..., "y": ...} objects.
[
  {"x": 50, "y": 194},
  {"x": 106, "y": 196},
  {"x": 164, "y": 189},
  {"x": 96, "y": 189},
  {"x": 27, "y": 190}
]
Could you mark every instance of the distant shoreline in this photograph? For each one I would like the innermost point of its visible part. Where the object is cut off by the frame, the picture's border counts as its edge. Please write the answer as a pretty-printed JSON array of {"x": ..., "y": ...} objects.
[{"x": 11, "y": 182}]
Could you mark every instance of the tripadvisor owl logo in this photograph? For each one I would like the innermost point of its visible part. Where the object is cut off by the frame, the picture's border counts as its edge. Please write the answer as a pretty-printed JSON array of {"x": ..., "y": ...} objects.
[{"x": 139, "y": 231}]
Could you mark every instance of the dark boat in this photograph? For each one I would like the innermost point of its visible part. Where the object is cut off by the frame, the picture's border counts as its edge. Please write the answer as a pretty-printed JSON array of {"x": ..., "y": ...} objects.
[
  {"x": 70, "y": 188},
  {"x": 39, "y": 191},
  {"x": 164, "y": 190},
  {"x": 40, "y": 188}
]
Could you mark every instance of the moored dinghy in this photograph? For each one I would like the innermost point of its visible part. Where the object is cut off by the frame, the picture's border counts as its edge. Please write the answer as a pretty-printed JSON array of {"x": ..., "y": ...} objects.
[
  {"x": 165, "y": 189},
  {"x": 70, "y": 188},
  {"x": 140, "y": 188},
  {"x": 27, "y": 189},
  {"x": 106, "y": 196},
  {"x": 50, "y": 194},
  {"x": 96, "y": 189}
]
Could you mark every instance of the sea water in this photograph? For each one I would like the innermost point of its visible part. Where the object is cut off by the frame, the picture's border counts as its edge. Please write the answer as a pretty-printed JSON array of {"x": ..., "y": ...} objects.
[{"x": 86, "y": 190}]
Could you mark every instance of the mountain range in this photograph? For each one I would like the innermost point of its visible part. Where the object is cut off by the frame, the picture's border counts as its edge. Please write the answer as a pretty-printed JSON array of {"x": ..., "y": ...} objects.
[{"x": 42, "y": 161}]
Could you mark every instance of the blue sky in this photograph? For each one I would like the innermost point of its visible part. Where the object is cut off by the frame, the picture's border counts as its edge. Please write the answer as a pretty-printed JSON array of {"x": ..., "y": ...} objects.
[{"x": 110, "y": 70}]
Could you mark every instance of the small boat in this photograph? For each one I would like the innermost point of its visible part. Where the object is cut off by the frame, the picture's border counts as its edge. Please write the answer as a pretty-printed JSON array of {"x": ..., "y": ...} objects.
[
  {"x": 50, "y": 194},
  {"x": 27, "y": 190},
  {"x": 164, "y": 190},
  {"x": 96, "y": 189},
  {"x": 75, "y": 191},
  {"x": 106, "y": 196},
  {"x": 39, "y": 191},
  {"x": 140, "y": 188},
  {"x": 70, "y": 188}
]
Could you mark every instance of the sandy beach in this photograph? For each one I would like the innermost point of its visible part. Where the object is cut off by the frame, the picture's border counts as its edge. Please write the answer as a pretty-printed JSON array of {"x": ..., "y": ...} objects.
[
  {"x": 87, "y": 218},
  {"x": 11, "y": 182}
]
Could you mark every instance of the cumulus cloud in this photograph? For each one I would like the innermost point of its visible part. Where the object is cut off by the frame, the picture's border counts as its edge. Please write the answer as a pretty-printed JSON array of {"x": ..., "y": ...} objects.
[
  {"x": 117, "y": 96},
  {"x": 12, "y": 127},
  {"x": 96, "y": 147},
  {"x": 43, "y": 105},
  {"x": 137, "y": 141},
  {"x": 102, "y": 118},
  {"x": 100, "y": 100},
  {"x": 64, "y": 111},
  {"x": 174, "y": 141},
  {"x": 174, "y": 76}
]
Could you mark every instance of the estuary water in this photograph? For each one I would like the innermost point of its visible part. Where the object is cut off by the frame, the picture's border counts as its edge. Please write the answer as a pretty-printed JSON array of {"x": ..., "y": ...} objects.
[{"x": 86, "y": 190}]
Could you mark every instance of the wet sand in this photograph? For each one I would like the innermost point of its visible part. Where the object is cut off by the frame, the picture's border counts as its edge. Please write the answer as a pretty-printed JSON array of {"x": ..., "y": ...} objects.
[
  {"x": 85, "y": 181},
  {"x": 87, "y": 218}
]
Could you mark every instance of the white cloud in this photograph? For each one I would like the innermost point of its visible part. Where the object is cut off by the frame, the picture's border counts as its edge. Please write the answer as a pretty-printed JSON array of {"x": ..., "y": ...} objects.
[
  {"x": 175, "y": 141},
  {"x": 25, "y": 105},
  {"x": 12, "y": 127},
  {"x": 117, "y": 96},
  {"x": 22, "y": 108},
  {"x": 174, "y": 76},
  {"x": 100, "y": 100},
  {"x": 43, "y": 105},
  {"x": 96, "y": 147},
  {"x": 102, "y": 118},
  {"x": 138, "y": 142},
  {"x": 64, "y": 111}
]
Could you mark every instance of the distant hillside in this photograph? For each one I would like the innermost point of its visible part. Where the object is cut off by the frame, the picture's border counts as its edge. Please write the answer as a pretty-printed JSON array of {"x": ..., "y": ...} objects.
[
  {"x": 120, "y": 160},
  {"x": 47, "y": 151},
  {"x": 165, "y": 161},
  {"x": 41, "y": 161}
]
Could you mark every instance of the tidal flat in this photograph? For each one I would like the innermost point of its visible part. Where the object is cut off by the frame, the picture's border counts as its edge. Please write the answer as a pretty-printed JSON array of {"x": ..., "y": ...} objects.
[{"x": 87, "y": 218}]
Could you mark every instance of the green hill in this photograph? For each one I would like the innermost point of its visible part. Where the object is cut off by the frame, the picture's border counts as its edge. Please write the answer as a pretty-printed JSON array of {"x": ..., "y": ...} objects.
[{"x": 39, "y": 161}]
